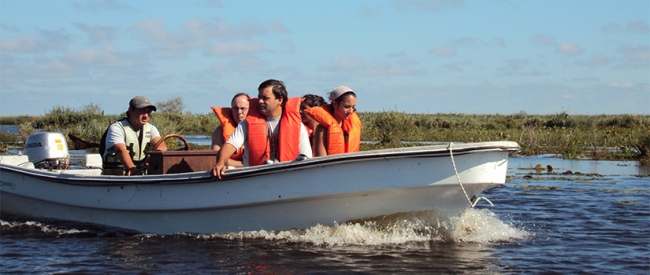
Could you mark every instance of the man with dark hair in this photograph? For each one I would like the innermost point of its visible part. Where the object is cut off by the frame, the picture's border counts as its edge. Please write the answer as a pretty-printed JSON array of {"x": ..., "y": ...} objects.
[
  {"x": 125, "y": 141},
  {"x": 272, "y": 132},
  {"x": 230, "y": 118}
]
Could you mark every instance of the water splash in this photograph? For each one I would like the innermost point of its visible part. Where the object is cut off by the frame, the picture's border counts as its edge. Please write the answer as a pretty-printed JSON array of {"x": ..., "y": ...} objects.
[
  {"x": 39, "y": 226},
  {"x": 473, "y": 225}
]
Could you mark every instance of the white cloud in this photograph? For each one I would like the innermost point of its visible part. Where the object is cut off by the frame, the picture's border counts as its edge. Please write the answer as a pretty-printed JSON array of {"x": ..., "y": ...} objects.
[
  {"x": 288, "y": 46},
  {"x": 106, "y": 5},
  {"x": 23, "y": 44},
  {"x": 235, "y": 48},
  {"x": 8, "y": 28},
  {"x": 97, "y": 33},
  {"x": 463, "y": 41},
  {"x": 622, "y": 84},
  {"x": 370, "y": 11},
  {"x": 426, "y": 5},
  {"x": 612, "y": 27},
  {"x": 457, "y": 66},
  {"x": 500, "y": 42},
  {"x": 635, "y": 56},
  {"x": 454, "y": 44},
  {"x": 586, "y": 79},
  {"x": 212, "y": 3},
  {"x": 568, "y": 48},
  {"x": 443, "y": 51},
  {"x": 517, "y": 64},
  {"x": 246, "y": 64},
  {"x": 385, "y": 69},
  {"x": 199, "y": 34},
  {"x": 350, "y": 64},
  {"x": 358, "y": 66},
  {"x": 638, "y": 26},
  {"x": 543, "y": 39},
  {"x": 104, "y": 59},
  {"x": 596, "y": 60},
  {"x": 47, "y": 41}
]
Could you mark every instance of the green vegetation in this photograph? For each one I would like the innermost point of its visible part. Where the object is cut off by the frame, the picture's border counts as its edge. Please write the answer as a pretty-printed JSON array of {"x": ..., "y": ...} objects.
[{"x": 570, "y": 136}]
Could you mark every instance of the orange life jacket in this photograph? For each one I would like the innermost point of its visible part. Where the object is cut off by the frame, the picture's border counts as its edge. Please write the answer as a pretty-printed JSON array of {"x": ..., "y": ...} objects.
[
  {"x": 288, "y": 148},
  {"x": 228, "y": 127},
  {"x": 337, "y": 143}
]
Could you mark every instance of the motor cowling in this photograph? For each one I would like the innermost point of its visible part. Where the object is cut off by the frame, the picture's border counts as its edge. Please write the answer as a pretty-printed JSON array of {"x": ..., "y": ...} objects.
[{"x": 47, "y": 150}]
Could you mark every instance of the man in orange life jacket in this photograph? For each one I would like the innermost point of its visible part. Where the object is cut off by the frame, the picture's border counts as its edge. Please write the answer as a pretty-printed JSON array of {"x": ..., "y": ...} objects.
[
  {"x": 339, "y": 129},
  {"x": 272, "y": 132},
  {"x": 230, "y": 118}
]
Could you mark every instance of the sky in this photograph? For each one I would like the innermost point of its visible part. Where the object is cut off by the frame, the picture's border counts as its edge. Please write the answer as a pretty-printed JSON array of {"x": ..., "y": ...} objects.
[{"x": 413, "y": 56}]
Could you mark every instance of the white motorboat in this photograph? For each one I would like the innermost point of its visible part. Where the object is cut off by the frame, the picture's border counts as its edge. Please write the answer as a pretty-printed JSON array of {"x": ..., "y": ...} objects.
[{"x": 280, "y": 196}]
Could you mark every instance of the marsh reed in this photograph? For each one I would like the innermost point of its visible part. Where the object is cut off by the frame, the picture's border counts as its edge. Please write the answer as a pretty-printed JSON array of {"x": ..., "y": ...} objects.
[{"x": 623, "y": 136}]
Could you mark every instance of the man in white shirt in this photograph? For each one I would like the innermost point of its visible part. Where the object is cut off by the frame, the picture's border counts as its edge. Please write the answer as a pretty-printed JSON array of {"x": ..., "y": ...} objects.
[
  {"x": 127, "y": 139},
  {"x": 277, "y": 142}
]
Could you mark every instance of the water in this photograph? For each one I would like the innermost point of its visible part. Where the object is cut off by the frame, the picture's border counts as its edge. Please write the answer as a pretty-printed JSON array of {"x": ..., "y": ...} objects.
[{"x": 595, "y": 222}]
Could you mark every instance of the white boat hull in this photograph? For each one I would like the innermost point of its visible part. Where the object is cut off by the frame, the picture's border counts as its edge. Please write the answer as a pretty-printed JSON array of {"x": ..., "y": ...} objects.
[{"x": 324, "y": 190}]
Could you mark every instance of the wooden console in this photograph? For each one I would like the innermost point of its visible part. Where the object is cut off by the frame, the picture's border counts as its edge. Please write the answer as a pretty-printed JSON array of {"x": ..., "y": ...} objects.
[{"x": 174, "y": 162}]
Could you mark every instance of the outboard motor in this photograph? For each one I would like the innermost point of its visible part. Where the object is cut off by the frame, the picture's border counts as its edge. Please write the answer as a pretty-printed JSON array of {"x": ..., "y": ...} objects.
[{"x": 47, "y": 150}]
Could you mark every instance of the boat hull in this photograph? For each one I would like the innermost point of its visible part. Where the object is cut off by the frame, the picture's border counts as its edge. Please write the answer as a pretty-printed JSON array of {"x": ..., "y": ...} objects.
[{"x": 325, "y": 190}]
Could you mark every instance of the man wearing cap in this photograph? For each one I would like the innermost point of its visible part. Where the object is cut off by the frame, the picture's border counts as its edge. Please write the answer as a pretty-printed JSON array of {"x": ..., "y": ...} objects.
[
  {"x": 127, "y": 139},
  {"x": 272, "y": 131},
  {"x": 339, "y": 129}
]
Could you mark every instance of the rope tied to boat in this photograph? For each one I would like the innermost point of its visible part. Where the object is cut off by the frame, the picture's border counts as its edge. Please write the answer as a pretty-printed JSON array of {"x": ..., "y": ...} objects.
[{"x": 453, "y": 162}]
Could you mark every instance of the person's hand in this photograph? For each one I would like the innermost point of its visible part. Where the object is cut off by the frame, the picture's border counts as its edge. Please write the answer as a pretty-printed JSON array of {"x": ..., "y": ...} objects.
[
  {"x": 132, "y": 171},
  {"x": 218, "y": 170}
]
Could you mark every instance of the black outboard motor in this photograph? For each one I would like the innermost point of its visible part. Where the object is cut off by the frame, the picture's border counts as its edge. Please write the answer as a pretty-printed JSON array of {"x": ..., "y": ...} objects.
[{"x": 47, "y": 150}]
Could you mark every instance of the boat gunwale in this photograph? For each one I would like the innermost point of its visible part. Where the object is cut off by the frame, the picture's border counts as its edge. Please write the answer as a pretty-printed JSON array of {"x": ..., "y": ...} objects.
[{"x": 246, "y": 172}]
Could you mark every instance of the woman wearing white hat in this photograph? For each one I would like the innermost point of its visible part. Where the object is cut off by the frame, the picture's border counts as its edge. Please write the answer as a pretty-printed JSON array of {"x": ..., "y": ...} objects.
[{"x": 339, "y": 129}]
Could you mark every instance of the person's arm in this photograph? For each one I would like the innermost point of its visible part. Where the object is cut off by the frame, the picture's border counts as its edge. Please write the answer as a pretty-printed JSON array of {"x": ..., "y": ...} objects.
[
  {"x": 125, "y": 158},
  {"x": 320, "y": 138},
  {"x": 235, "y": 163},
  {"x": 222, "y": 158},
  {"x": 217, "y": 142},
  {"x": 217, "y": 138},
  {"x": 162, "y": 146},
  {"x": 155, "y": 137},
  {"x": 304, "y": 147},
  {"x": 236, "y": 140}
]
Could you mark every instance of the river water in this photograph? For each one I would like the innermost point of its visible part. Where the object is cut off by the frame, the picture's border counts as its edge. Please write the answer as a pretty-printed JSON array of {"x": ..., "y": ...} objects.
[{"x": 595, "y": 220}]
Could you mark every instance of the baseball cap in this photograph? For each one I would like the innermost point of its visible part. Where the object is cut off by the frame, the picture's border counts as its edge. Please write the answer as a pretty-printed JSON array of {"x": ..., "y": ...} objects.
[
  {"x": 338, "y": 91},
  {"x": 141, "y": 102}
]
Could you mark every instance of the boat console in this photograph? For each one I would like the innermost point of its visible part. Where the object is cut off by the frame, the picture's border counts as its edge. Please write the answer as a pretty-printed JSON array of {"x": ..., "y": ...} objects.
[{"x": 174, "y": 162}]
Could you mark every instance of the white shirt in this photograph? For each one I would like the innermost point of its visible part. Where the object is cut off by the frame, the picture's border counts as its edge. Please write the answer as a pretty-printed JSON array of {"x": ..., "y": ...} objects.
[
  {"x": 116, "y": 135},
  {"x": 239, "y": 138}
]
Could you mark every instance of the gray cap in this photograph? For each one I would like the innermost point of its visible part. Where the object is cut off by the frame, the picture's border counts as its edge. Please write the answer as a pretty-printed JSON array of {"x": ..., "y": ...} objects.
[
  {"x": 141, "y": 102},
  {"x": 338, "y": 91}
]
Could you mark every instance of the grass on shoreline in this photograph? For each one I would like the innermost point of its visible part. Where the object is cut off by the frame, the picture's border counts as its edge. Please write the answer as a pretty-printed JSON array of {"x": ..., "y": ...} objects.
[{"x": 614, "y": 137}]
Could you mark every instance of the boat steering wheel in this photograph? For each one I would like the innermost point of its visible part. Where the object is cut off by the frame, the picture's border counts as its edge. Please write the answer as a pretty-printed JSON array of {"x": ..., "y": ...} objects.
[{"x": 186, "y": 148}]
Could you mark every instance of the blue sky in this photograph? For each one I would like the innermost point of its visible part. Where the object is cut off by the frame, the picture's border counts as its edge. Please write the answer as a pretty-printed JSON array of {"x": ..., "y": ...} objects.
[{"x": 417, "y": 56}]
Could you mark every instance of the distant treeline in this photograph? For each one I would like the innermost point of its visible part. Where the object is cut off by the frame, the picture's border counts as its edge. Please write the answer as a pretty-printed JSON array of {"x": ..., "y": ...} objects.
[{"x": 623, "y": 136}]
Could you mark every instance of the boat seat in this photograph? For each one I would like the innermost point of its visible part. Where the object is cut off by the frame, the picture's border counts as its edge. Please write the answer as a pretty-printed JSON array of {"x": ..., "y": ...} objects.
[
  {"x": 174, "y": 162},
  {"x": 14, "y": 160},
  {"x": 94, "y": 161}
]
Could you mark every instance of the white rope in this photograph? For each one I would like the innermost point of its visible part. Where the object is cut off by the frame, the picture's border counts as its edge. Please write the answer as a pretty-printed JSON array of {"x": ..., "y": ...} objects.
[{"x": 451, "y": 153}]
